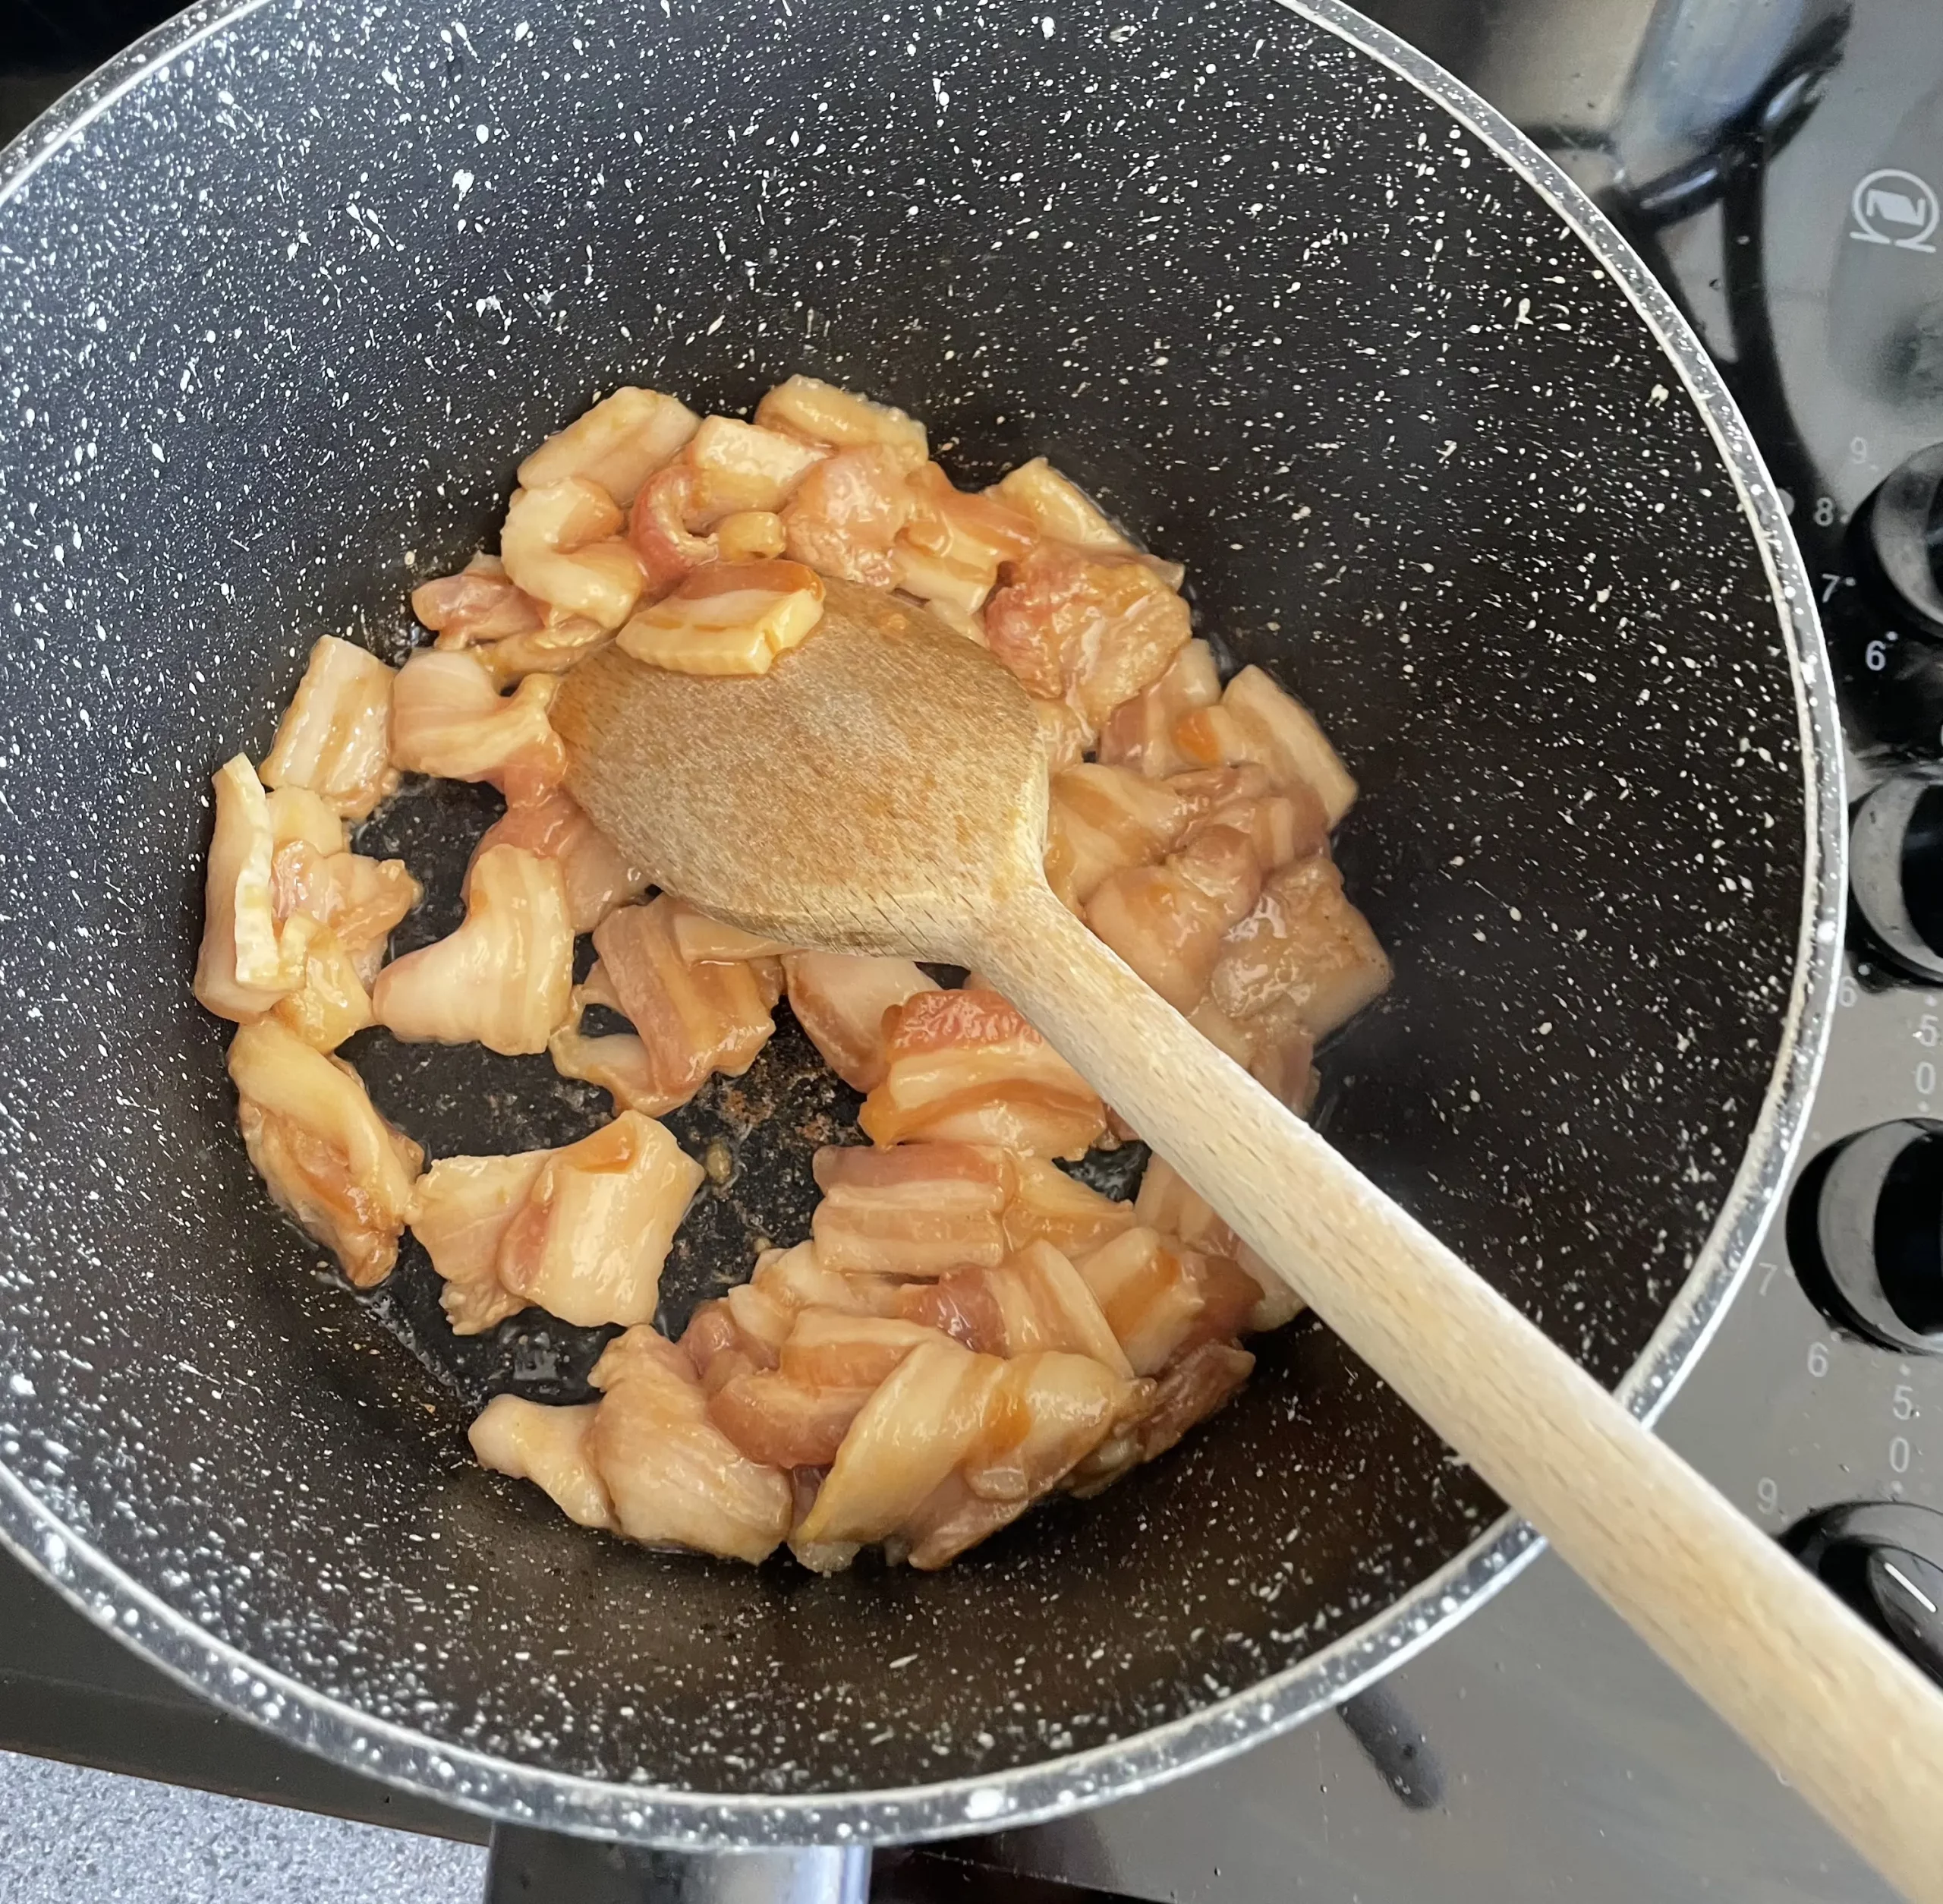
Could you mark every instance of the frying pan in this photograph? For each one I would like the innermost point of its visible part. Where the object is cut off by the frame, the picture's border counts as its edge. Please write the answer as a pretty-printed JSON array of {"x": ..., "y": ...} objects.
[{"x": 283, "y": 295}]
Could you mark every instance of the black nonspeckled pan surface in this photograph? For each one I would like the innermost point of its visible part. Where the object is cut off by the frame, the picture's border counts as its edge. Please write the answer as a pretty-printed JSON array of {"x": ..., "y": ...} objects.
[{"x": 274, "y": 330}]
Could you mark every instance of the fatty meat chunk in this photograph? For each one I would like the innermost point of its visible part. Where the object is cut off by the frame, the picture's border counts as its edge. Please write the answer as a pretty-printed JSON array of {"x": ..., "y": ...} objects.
[
  {"x": 618, "y": 444},
  {"x": 1202, "y": 1382},
  {"x": 816, "y": 412},
  {"x": 1104, "y": 820},
  {"x": 741, "y": 468},
  {"x": 1161, "y": 1301},
  {"x": 562, "y": 542},
  {"x": 908, "y": 1438},
  {"x": 1093, "y": 630},
  {"x": 332, "y": 1003},
  {"x": 914, "y": 1210},
  {"x": 505, "y": 978},
  {"x": 1168, "y": 922},
  {"x": 332, "y": 737},
  {"x": 358, "y": 900},
  {"x": 1035, "y": 1300},
  {"x": 460, "y": 1212},
  {"x": 1303, "y": 945},
  {"x": 250, "y": 956},
  {"x": 1058, "y": 508},
  {"x": 329, "y": 1158},
  {"x": 703, "y": 940},
  {"x": 692, "y": 1020},
  {"x": 728, "y": 618},
  {"x": 449, "y": 720},
  {"x": 617, "y": 1061},
  {"x": 504, "y": 629},
  {"x": 1044, "y": 1414},
  {"x": 548, "y": 1447},
  {"x": 1139, "y": 733},
  {"x": 847, "y": 514},
  {"x": 673, "y": 1477},
  {"x": 596, "y": 877},
  {"x": 1167, "y": 1202},
  {"x": 964, "y": 1066},
  {"x": 1256, "y": 720},
  {"x": 589, "y": 1243},
  {"x": 841, "y": 999},
  {"x": 1048, "y": 1206}
]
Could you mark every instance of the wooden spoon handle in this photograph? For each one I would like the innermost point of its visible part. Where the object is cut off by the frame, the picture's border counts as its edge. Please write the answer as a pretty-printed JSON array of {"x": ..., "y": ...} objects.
[{"x": 1829, "y": 1705}]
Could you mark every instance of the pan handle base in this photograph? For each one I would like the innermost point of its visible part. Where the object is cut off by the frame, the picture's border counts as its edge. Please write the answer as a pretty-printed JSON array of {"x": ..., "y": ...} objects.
[{"x": 530, "y": 1867}]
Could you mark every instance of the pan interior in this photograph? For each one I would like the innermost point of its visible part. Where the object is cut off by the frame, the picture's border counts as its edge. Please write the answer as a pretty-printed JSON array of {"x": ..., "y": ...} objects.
[{"x": 276, "y": 328}]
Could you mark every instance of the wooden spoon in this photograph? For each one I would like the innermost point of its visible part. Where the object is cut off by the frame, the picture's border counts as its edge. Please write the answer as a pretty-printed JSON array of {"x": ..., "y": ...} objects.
[{"x": 882, "y": 789}]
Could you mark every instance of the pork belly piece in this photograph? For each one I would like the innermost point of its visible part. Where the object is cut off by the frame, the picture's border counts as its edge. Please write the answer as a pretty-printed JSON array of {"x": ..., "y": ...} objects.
[
  {"x": 618, "y": 444},
  {"x": 914, "y": 1430},
  {"x": 1168, "y": 922},
  {"x": 329, "y": 1158},
  {"x": 1065, "y": 735},
  {"x": 548, "y": 1447},
  {"x": 847, "y": 514},
  {"x": 692, "y": 1020},
  {"x": 333, "y": 1002},
  {"x": 1102, "y": 820},
  {"x": 728, "y": 618},
  {"x": 449, "y": 720},
  {"x": 1161, "y": 1300},
  {"x": 617, "y": 1061},
  {"x": 840, "y": 1000},
  {"x": 796, "y": 1413},
  {"x": 592, "y": 873},
  {"x": 775, "y": 1418},
  {"x": 741, "y": 468},
  {"x": 1044, "y": 1414},
  {"x": 1090, "y": 629},
  {"x": 750, "y": 535},
  {"x": 1256, "y": 720},
  {"x": 703, "y": 941},
  {"x": 916, "y": 1210},
  {"x": 1280, "y": 826},
  {"x": 505, "y": 978},
  {"x": 1035, "y": 1300},
  {"x": 1058, "y": 508},
  {"x": 250, "y": 955},
  {"x": 581, "y": 1231},
  {"x": 948, "y": 554},
  {"x": 1201, "y": 1383},
  {"x": 964, "y": 1066},
  {"x": 658, "y": 533},
  {"x": 332, "y": 737},
  {"x": 562, "y": 542},
  {"x": 461, "y": 1210},
  {"x": 1139, "y": 733},
  {"x": 1303, "y": 945},
  {"x": 816, "y": 412},
  {"x": 1281, "y": 1052},
  {"x": 674, "y": 1479},
  {"x": 1047, "y": 1206},
  {"x": 506, "y": 631},
  {"x": 359, "y": 900},
  {"x": 1167, "y": 1202}
]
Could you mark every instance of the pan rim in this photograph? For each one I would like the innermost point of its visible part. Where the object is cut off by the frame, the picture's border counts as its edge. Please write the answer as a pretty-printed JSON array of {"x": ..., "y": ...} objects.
[{"x": 478, "y": 1782}]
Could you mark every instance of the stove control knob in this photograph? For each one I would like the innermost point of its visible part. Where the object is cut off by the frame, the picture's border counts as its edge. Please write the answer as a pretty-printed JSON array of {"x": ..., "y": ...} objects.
[
  {"x": 1885, "y": 1559},
  {"x": 1906, "y": 537},
  {"x": 1896, "y": 869},
  {"x": 1866, "y": 1235}
]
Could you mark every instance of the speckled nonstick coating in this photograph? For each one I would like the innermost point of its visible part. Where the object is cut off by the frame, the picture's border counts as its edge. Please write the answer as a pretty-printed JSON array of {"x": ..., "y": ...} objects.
[{"x": 283, "y": 297}]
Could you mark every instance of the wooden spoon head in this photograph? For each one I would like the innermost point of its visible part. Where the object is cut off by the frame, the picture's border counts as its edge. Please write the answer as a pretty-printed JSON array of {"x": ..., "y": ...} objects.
[{"x": 880, "y": 787}]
